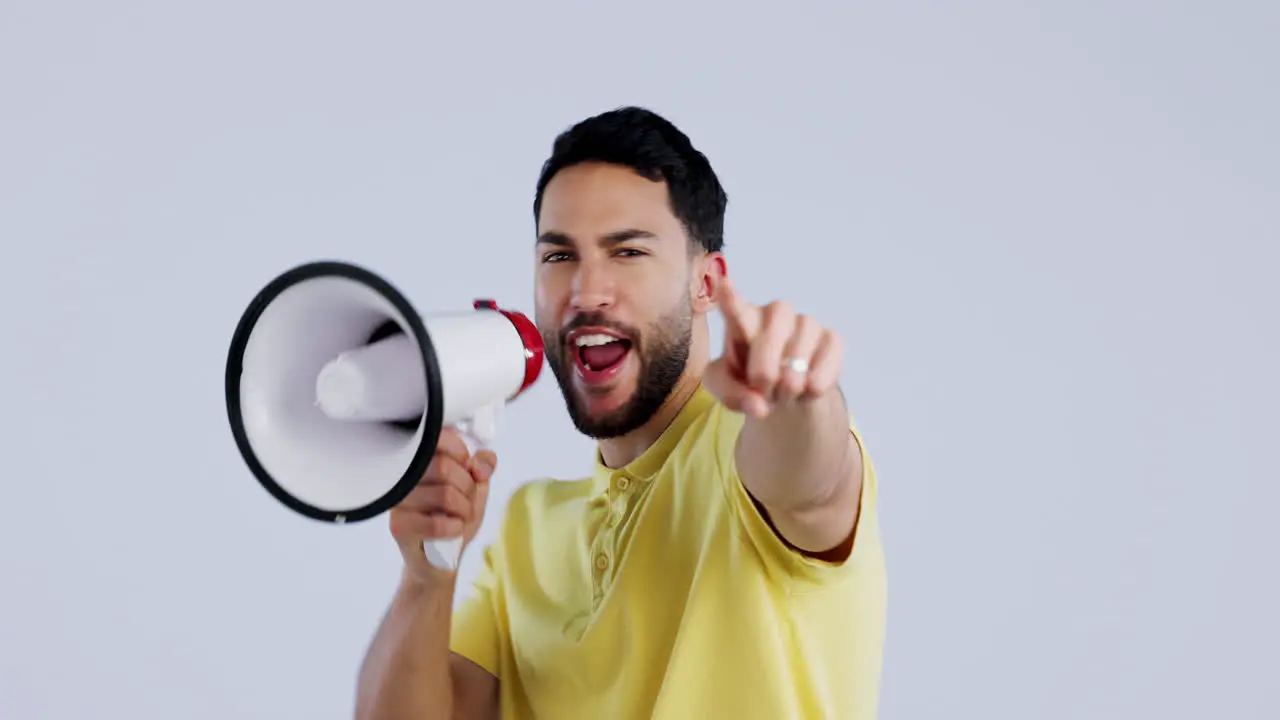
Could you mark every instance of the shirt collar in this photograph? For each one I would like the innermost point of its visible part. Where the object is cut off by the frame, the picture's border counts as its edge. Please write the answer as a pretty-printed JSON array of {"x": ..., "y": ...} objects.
[{"x": 645, "y": 467}]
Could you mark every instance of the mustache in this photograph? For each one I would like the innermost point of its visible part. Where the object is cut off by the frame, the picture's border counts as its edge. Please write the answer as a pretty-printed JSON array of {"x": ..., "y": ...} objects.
[{"x": 597, "y": 320}]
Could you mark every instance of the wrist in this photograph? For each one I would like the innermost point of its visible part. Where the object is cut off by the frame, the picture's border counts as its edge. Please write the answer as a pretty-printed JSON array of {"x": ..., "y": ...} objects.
[{"x": 417, "y": 583}]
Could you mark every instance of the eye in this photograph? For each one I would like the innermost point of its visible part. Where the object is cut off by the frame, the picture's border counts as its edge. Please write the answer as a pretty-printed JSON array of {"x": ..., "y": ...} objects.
[
  {"x": 631, "y": 253},
  {"x": 555, "y": 257}
]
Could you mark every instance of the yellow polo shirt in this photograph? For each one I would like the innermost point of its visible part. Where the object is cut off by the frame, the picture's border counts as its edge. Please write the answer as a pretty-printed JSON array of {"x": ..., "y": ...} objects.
[{"x": 659, "y": 591}]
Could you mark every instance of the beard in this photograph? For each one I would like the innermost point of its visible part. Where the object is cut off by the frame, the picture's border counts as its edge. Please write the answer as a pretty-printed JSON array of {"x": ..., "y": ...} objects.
[{"x": 662, "y": 351}]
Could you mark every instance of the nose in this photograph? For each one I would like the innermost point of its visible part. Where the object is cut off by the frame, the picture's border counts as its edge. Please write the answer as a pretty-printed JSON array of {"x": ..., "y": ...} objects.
[{"x": 593, "y": 288}]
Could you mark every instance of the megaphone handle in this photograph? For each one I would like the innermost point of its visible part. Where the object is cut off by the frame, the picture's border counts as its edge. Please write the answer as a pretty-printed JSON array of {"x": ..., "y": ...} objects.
[
  {"x": 477, "y": 432},
  {"x": 444, "y": 553}
]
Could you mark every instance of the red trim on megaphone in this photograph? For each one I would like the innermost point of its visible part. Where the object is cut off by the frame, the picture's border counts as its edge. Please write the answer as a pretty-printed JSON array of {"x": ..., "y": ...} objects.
[{"x": 534, "y": 351}]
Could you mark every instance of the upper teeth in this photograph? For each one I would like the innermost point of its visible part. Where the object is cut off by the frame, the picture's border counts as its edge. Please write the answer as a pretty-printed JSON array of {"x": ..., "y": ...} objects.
[{"x": 596, "y": 339}]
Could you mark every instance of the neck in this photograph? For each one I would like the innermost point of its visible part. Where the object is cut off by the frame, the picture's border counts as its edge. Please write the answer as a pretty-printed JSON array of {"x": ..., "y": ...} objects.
[{"x": 620, "y": 451}]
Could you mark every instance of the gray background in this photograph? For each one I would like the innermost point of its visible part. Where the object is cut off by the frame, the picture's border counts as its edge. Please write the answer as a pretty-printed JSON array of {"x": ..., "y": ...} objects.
[{"x": 1047, "y": 230}]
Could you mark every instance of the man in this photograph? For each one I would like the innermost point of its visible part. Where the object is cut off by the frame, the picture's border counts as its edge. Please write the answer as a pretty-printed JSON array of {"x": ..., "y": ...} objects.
[{"x": 724, "y": 560}]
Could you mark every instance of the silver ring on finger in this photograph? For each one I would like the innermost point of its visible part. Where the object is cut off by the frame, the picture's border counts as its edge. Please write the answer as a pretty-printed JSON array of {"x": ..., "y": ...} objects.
[{"x": 797, "y": 365}]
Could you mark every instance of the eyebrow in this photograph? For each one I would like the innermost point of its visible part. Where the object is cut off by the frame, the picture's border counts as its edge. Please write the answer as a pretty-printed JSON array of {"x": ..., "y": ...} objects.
[{"x": 551, "y": 237}]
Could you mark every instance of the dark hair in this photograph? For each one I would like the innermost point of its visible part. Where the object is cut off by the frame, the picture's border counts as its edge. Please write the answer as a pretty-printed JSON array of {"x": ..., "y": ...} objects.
[{"x": 654, "y": 148}]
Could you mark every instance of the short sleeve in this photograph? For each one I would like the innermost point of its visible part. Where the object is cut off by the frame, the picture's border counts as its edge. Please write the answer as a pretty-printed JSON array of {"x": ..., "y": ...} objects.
[
  {"x": 783, "y": 562},
  {"x": 476, "y": 632}
]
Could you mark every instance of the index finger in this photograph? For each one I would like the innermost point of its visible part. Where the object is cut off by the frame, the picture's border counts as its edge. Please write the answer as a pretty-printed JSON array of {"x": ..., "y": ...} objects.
[
  {"x": 452, "y": 445},
  {"x": 736, "y": 312}
]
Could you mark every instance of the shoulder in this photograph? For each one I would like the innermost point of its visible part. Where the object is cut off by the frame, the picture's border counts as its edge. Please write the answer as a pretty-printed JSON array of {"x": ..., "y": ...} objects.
[
  {"x": 537, "y": 502},
  {"x": 547, "y": 493}
]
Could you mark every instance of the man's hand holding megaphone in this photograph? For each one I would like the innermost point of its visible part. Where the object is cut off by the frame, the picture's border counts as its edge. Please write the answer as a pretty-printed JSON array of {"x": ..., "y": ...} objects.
[{"x": 449, "y": 502}]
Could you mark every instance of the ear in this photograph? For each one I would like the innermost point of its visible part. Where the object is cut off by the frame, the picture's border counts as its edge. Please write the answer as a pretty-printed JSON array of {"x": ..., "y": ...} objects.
[{"x": 708, "y": 275}]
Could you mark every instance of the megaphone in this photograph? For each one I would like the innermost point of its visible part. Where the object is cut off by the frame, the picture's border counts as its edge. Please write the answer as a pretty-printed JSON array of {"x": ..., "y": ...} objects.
[{"x": 337, "y": 389}]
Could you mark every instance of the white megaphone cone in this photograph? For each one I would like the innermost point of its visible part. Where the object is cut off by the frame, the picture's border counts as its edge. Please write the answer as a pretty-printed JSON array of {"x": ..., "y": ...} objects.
[{"x": 337, "y": 390}]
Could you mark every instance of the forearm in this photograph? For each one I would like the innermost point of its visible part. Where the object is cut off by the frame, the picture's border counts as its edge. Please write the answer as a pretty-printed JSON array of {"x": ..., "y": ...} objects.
[
  {"x": 802, "y": 464},
  {"x": 406, "y": 671}
]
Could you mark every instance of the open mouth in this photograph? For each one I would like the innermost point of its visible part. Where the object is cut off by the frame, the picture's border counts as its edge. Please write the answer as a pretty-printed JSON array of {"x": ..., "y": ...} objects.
[{"x": 600, "y": 355}]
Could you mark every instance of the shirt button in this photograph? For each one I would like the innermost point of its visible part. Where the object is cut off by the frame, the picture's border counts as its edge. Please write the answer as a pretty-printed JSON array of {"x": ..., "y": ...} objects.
[
  {"x": 623, "y": 482},
  {"x": 602, "y": 561},
  {"x": 614, "y": 518}
]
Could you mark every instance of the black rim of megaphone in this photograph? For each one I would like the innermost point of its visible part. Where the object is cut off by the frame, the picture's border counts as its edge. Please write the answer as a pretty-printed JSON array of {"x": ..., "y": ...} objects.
[{"x": 431, "y": 423}]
